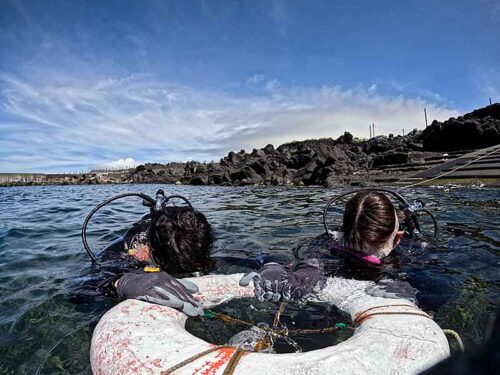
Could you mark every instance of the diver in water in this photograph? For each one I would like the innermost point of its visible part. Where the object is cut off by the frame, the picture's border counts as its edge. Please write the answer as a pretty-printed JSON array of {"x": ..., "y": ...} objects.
[
  {"x": 370, "y": 231},
  {"x": 175, "y": 239},
  {"x": 370, "y": 227},
  {"x": 168, "y": 240}
]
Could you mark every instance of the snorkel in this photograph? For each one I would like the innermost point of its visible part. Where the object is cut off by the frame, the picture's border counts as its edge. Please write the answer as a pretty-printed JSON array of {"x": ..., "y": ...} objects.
[
  {"x": 409, "y": 224},
  {"x": 156, "y": 206}
]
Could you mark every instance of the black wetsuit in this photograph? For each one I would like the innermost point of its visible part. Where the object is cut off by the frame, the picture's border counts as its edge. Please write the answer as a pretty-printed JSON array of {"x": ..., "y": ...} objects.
[
  {"x": 114, "y": 261},
  {"x": 97, "y": 281},
  {"x": 337, "y": 264}
]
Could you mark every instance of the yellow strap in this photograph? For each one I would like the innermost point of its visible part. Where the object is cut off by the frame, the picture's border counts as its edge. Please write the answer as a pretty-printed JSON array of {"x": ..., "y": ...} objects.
[{"x": 151, "y": 269}]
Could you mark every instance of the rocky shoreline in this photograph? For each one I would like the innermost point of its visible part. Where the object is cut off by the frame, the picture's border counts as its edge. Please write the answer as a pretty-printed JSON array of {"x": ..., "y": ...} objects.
[{"x": 325, "y": 162}]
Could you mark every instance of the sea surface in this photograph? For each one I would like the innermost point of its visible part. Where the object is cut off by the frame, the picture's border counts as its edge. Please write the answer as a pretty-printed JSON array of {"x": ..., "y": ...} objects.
[{"x": 44, "y": 329}]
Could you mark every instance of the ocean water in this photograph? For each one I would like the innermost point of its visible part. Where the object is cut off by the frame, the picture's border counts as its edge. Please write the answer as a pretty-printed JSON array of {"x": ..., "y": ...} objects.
[{"x": 44, "y": 329}]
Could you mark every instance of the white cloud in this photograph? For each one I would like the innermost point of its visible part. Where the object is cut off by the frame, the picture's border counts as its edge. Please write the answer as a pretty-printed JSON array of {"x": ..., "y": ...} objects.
[
  {"x": 255, "y": 79},
  {"x": 118, "y": 164},
  {"x": 76, "y": 125},
  {"x": 273, "y": 85}
]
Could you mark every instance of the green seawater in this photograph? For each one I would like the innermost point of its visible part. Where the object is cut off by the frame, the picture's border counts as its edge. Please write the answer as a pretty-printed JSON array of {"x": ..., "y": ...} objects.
[{"x": 44, "y": 329}]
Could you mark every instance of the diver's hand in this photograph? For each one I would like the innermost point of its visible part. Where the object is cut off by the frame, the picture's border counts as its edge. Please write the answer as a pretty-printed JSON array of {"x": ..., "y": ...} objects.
[
  {"x": 268, "y": 283},
  {"x": 162, "y": 289},
  {"x": 388, "y": 288},
  {"x": 274, "y": 283},
  {"x": 306, "y": 279}
]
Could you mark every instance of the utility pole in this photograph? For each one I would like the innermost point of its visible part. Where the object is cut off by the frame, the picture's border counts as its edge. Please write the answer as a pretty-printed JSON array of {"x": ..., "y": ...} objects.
[
  {"x": 369, "y": 126},
  {"x": 425, "y": 113},
  {"x": 373, "y": 125},
  {"x": 403, "y": 132},
  {"x": 490, "y": 100}
]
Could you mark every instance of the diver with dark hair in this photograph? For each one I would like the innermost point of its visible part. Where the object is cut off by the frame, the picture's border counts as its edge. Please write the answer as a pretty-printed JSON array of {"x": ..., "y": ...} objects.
[
  {"x": 169, "y": 240},
  {"x": 175, "y": 239},
  {"x": 370, "y": 231}
]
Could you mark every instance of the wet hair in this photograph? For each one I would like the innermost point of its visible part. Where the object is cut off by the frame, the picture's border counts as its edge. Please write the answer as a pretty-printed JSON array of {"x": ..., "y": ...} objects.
[
  {"x": 369, "y": 221},
  {"x": 181, "y": 240}
]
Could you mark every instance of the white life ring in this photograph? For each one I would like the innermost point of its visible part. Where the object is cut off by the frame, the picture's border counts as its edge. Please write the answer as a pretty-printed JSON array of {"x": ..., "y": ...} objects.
[{"x": 136, "y": 337}]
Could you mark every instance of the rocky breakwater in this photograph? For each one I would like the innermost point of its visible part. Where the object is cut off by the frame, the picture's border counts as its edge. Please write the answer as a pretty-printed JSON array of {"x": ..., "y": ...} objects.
[
  {"x": 157, "y": 173},
  {"x": 326, "y": 162},
  {"x": 347, "y": 160},
  {"x": 314, "y": 162},
  {"x": 478, "y": 129}
]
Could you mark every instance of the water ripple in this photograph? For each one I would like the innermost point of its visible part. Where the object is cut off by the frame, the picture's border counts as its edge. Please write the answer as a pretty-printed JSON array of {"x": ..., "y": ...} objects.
[{"x": 41, "y": 257}]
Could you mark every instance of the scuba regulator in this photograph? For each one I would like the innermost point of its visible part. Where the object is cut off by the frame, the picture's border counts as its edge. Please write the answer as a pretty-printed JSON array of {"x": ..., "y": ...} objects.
[
  {"x": 156, "y": 205},
  {"x": 412, "y": 211}
]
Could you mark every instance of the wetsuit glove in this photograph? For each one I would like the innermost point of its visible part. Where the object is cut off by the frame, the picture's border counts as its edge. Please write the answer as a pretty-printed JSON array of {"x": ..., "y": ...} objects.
[
  {"x": 275, "y": 283},
  {"x": 162, "y": 289},
  {"x": 306, "y": 279},
  {"x": 268, "y": 283},
  {"x": 388, "y": 288}
]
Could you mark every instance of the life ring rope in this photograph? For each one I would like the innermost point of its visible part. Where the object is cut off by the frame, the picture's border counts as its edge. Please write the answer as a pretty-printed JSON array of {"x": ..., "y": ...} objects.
[
  {"x": 133, "y": 326},
  {"x": 275, "y": 329},
  {"x": 193, "y": 358}
]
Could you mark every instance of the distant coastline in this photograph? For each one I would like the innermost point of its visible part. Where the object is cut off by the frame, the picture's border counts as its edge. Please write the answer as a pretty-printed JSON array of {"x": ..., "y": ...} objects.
[{"x": 325, "y": 162}]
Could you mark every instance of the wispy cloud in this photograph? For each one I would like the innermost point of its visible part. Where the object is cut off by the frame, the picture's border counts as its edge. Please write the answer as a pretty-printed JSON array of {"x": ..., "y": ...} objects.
[
  {"x": 279, "y": 14},
  {"x": 75, "y": 125},
  {"x": 273, "y": 85}
]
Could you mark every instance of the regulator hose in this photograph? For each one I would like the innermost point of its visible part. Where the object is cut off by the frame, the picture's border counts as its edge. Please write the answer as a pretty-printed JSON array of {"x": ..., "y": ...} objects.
[
  {"x": 147, "y": 200},
  {"x": 434, "y": 222},
  {"x": 166, "y": 199}
]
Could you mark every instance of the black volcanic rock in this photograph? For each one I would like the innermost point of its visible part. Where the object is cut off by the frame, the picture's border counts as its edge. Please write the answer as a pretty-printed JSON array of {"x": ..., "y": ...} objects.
[
  {"x": 269, "y": 149},
  {"x": 346, "y": 138},
  {"x": 327, "y": 161},
  {"x": 478, "y": 129},
  {"x": 492, "y": 111},
  {"x": 199, "y": 180}
]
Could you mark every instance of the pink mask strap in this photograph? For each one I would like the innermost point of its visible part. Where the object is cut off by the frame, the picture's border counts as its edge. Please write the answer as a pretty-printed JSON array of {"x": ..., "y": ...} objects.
[
  {"x": 371, "y": 259},
  {"x": 367, "y": 258}
]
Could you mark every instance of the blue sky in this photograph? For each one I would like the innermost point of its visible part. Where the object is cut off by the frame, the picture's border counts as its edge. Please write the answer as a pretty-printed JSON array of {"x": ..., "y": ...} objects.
[{"x": 105, "y": 83}]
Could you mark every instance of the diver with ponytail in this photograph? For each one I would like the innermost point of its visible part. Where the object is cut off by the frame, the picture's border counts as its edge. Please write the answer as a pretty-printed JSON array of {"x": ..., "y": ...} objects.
[{"x": 371, "y": 228}]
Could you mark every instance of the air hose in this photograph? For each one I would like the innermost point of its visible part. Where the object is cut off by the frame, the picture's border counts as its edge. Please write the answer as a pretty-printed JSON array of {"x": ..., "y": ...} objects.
[{"x": 147, "y": 200}]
